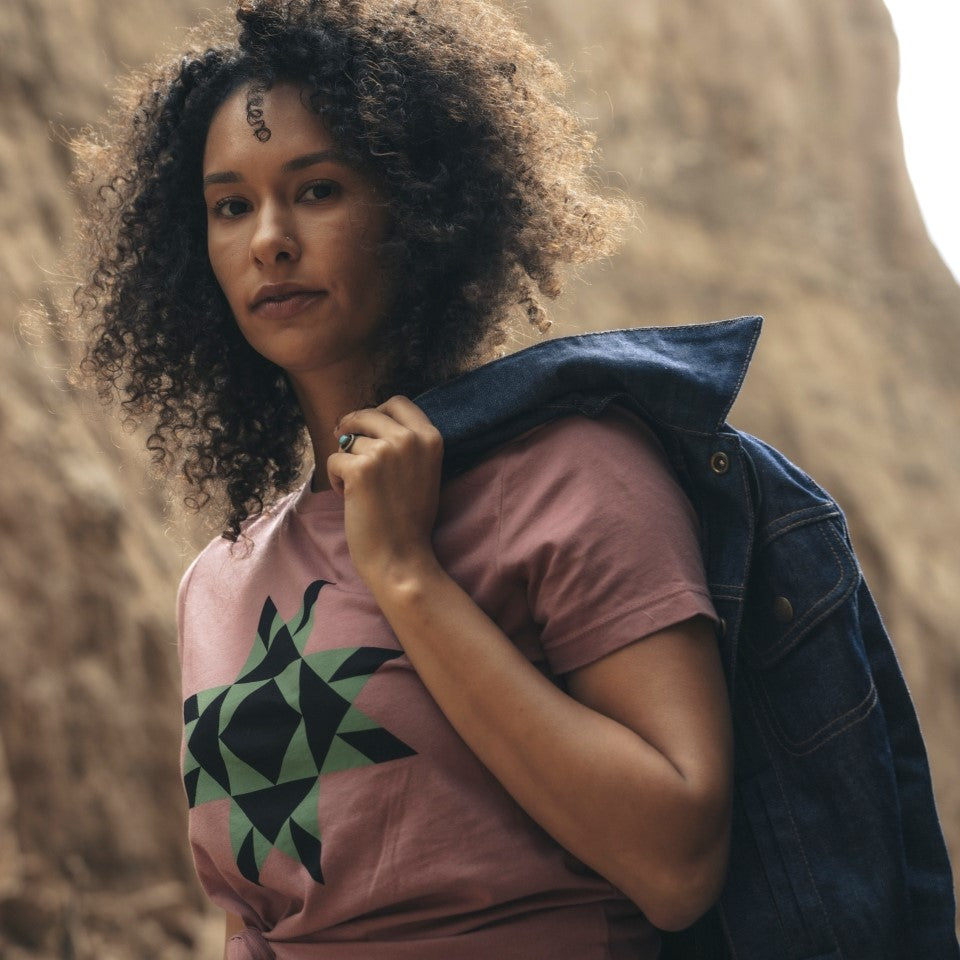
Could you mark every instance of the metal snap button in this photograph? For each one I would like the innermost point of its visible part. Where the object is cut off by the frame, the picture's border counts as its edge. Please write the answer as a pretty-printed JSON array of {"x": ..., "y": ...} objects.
[
  {"x": 720, "y": 463},
  {"x": 782, "y": 610}
]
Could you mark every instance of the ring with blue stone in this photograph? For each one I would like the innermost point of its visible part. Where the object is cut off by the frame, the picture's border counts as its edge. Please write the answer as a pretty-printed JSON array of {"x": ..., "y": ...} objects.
[{"x": 346, "y": 441}]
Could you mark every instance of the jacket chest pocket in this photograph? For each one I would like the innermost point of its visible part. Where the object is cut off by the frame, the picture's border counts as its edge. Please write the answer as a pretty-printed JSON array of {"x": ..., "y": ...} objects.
[{"x": 802, "y": 637}]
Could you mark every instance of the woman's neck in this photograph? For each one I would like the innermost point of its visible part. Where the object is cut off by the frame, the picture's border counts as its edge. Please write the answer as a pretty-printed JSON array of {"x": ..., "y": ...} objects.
[{"x": 324, "y": 400}]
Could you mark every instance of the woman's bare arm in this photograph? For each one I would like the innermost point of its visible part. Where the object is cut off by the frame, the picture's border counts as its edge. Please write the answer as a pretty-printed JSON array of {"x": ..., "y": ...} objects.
[{"x": 631, "y": 773}]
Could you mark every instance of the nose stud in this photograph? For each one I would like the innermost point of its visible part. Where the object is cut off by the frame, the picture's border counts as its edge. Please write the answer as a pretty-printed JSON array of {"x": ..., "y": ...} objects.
[{"x": 287, "y": 248}]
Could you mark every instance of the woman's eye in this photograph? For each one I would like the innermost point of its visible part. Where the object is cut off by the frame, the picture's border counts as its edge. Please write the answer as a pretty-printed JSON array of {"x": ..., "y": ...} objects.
[
  {"x": 230, "y": 208},
  {"x": 321, "y": 190}
]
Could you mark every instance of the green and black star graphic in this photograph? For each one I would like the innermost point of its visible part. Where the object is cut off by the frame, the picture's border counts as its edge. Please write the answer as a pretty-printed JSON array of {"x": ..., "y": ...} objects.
[{"x": 267, "y": 738}]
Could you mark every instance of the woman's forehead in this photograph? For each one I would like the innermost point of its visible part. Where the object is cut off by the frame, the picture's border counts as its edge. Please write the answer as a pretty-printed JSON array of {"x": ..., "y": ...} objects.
[{"x": 283, "y": 110}]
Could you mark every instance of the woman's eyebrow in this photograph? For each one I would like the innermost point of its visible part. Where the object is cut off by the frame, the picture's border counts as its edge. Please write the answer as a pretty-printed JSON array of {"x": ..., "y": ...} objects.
[
  {"x": 297, "y": 163},
  {"x": 309, "y": 159}
]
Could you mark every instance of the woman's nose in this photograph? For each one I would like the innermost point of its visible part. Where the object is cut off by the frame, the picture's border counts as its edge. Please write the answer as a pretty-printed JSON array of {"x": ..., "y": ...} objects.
[{"x": 274, "y": 240}]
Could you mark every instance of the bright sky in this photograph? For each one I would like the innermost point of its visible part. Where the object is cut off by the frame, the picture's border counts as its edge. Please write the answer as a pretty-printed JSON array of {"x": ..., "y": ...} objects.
[{"x": 929, "y": 34}]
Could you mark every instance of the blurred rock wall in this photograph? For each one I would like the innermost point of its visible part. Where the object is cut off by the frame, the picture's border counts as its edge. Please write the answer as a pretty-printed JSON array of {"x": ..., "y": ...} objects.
[
  {"x": 763, "y": 143},
  {"x": 92, "y": 855}
]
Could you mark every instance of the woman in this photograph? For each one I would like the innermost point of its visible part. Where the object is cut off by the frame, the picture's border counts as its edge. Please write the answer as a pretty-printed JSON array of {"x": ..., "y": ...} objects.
[{"x": 483, "y": 717}]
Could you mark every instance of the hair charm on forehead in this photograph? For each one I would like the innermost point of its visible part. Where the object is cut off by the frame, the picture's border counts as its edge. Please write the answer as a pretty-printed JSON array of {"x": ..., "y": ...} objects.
[{"x": 255, "y": 115}]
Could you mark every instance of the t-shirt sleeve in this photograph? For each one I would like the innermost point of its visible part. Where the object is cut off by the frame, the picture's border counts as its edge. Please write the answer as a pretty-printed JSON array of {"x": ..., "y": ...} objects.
[
  {"x": 182, "y": 606},
  {"x": 598, "y": 528}
]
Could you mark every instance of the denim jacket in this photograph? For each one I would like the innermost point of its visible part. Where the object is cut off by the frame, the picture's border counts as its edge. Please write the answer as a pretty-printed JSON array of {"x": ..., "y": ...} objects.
[{"x": 837, "y": 851}]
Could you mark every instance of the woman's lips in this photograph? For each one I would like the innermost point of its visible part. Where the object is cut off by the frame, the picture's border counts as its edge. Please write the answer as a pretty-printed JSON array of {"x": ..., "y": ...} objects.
[{"x": 282, "y": 308}]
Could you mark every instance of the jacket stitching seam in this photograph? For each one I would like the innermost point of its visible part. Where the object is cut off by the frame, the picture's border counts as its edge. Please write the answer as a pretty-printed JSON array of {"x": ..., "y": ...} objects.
[
  {"x": 752, "y": 820},
  {"x": 804, "y": 521},
  {"x": 803, "y": 853},
  {"x": 802, "y": 748},
  {"x": 791, "y": 638},
  {"x": 714, "y": 433}
]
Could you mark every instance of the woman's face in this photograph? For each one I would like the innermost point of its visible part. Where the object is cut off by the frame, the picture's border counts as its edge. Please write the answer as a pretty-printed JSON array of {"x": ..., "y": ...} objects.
[{"x": 293, "y": 234}]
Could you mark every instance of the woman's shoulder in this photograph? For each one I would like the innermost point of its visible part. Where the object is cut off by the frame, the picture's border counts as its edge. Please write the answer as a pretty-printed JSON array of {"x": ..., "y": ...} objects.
[
  {"x": 255, "y": 533},
  {"x": 596, "y": 476},
  {"x": 578, "y": 448}
]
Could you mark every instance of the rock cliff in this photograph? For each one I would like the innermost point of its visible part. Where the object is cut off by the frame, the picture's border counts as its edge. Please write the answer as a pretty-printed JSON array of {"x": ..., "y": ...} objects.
[{"x": 764, "y": 145}]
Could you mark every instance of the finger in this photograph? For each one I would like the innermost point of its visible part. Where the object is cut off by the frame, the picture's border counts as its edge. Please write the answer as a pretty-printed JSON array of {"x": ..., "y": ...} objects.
[
  {"x": 342, "y": 467},
  {"x": 404, "y": 411},
  {"x": 370, "y": 423},
  {"x": 335, "y": 473},
  {"x": 407, "y": 413}
]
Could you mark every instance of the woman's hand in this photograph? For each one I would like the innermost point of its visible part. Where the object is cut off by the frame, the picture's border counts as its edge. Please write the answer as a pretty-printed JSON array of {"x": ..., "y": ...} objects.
[{"x": 390, "y": 481}]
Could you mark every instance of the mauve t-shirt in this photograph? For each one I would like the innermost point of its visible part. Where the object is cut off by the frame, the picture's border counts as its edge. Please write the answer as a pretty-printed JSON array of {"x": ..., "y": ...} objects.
[{"x": 332, "y": 806}]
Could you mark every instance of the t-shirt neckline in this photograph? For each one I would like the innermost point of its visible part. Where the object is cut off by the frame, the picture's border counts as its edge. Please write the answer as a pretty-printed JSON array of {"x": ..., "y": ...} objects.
[{"x": 320, "y": 501}]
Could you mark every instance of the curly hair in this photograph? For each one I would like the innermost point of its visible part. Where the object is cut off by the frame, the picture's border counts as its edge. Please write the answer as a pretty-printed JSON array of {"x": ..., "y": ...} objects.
[{"x": 456, "y": 116}]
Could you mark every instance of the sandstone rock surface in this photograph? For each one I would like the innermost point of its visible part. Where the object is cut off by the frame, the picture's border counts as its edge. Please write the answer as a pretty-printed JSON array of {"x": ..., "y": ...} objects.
[{"x": 764, "y": 145}]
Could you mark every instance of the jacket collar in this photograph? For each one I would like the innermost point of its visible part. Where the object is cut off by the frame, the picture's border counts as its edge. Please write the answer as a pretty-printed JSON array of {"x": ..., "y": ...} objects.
[{"x": 683, "y": 378}]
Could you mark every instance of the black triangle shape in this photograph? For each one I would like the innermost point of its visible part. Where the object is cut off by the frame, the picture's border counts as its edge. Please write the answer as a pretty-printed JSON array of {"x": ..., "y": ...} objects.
[
  {"x": 191, "y": 708},
  {"x": 364, "y": 662},
  {"x": 247, "y": 860},
  {"x": 283, "y": 651},
  {"x": 190, "y": 781},
  {"x": 323, "y": 710},
  {"x": 379, "y": 745},
  {"x": 267, "y": 615},
  {"x": 308, "y": 849},
  {"x": 204, "y": 743},
  {"x": 269, "y": 809},
  {"x": 261, "y": 728}
]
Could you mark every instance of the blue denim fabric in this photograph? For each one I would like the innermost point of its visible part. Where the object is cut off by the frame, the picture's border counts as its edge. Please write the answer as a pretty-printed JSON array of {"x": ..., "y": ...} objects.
[{"x": 837, "y": 849}]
